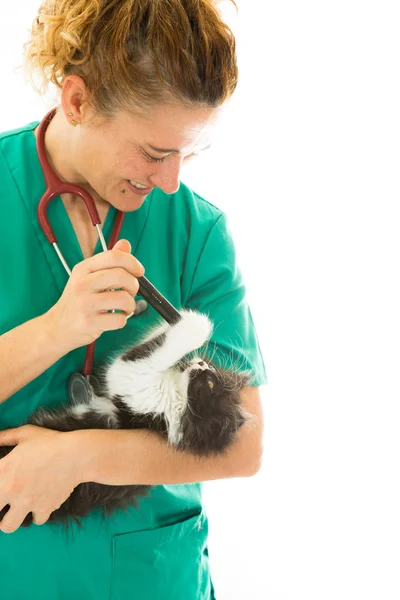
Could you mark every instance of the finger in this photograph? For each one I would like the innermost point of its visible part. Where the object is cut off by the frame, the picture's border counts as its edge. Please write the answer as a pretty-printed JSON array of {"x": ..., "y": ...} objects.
[
  {"x": 10, "y": 437},
  {"x": 116, "y": 300},
  {"x": 123, "y": 245},
  {"x": 39, "y": 518},
  {"x": 16, "y": 435},
  {"x": 13, "y": 519},
  {"x": 110, "y": 260},
  {"x": 106, "y": 279},
  {"x": 112, "y": 321}
]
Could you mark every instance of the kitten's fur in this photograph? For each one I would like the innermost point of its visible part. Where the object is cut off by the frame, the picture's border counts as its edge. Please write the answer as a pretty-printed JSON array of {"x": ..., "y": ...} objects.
[{"x": 191, "y": 402}]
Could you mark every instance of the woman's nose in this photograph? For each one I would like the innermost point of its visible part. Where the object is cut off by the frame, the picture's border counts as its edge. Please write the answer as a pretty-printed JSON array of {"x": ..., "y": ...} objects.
[{"x": 166, "y": 177}]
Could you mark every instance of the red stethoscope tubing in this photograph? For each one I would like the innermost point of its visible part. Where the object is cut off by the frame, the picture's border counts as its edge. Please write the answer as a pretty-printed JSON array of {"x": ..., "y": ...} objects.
[{"x": 54, "y": 187}]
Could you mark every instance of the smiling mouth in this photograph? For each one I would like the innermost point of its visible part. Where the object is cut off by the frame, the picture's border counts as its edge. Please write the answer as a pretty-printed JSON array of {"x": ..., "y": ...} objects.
[
  {"x": 136, "y": 190},
  {"x": 137, "y": 185}
]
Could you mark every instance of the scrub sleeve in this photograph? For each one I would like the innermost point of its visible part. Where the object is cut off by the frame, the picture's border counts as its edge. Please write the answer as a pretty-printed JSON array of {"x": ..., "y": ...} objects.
[{"x": 158, "y": 551}]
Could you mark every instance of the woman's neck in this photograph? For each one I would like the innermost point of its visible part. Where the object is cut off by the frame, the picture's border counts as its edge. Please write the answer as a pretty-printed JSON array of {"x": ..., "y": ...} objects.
[{"x": 61, "y": 153}]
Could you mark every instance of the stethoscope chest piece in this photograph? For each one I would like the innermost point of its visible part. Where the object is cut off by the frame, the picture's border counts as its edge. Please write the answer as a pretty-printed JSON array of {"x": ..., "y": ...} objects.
[
  {"x": 141, "y": 306},
  {"x": 79, "y": 389}
]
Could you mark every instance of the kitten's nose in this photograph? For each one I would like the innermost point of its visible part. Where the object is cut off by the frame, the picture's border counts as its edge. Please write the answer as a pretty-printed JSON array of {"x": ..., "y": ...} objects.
[{"x": 196, "y": 368}]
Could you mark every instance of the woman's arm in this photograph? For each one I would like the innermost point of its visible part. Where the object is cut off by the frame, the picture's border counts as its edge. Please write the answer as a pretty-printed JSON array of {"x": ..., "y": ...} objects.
[
  {"x": 46, "y": 465},
  {"x": 118, "y": 457},
  {"x": 26, "y": 352},
  {"x": 77, "y": 319}
]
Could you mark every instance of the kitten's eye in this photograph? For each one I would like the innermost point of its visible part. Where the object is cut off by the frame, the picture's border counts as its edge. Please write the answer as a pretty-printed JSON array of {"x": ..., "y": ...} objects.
[{"x": 210, "y": 384}]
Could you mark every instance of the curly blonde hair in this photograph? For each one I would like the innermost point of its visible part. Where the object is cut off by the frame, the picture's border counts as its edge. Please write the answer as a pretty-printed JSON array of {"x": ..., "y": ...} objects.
[{"x": 135, "y": 54}]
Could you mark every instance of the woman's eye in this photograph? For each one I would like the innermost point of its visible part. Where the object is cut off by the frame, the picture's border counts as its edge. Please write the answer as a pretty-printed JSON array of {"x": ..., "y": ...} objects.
[{"x": 153, "y": 158}]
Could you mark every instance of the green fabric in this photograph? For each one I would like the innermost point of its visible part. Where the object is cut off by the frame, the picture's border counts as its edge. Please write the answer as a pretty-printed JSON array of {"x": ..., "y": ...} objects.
[{"x": 158, "y": 551}]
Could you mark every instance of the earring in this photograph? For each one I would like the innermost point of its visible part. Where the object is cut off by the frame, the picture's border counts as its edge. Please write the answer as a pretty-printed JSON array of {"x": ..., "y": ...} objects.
[{"x": 73, "y": 123}]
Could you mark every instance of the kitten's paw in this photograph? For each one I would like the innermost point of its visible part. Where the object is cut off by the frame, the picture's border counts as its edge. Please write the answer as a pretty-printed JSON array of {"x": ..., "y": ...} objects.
[{"x": 196, "y": 327}]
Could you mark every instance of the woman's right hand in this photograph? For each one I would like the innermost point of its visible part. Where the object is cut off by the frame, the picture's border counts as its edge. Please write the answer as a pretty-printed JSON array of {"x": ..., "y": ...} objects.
[{"x": 81, "y": 314}]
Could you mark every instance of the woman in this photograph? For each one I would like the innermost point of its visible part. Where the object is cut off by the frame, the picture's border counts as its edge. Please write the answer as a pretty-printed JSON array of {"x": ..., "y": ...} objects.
[{"x": 141, "y": 84}]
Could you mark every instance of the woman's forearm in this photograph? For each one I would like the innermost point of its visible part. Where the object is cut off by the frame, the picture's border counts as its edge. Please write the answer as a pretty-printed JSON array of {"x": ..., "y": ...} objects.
[
  {"x": 25, "y": 353},
  {"x": 126, "y": 457}
]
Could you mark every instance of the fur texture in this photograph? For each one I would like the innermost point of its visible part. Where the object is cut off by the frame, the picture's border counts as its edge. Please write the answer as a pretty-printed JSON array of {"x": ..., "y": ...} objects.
[{"x": 154, "y": 385}]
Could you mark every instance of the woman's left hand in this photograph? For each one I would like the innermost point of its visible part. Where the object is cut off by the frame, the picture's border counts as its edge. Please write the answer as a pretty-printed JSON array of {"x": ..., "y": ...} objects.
[{"x": 38, "y": 475}]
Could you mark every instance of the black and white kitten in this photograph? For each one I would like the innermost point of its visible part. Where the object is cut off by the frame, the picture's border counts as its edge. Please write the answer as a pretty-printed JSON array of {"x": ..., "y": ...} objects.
[{"x": 154, "y": 385}]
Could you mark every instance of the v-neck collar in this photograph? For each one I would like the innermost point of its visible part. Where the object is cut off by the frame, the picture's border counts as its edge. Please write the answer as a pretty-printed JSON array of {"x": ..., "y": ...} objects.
[{"x": 30, "y": 180}]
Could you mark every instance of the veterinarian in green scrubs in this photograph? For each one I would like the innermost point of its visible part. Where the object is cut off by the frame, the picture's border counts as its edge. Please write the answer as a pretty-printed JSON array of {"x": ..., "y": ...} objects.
[{"x": 159, "y": 550}]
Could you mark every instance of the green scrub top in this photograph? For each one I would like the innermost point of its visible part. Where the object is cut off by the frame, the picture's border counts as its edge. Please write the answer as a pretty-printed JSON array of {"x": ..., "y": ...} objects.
[{"x": 158, "y": 551}]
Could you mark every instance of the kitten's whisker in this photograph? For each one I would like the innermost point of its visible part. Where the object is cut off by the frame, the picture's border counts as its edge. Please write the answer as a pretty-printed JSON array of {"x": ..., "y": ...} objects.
[
  {"x": 214, "y": 353},
  {"x": 238, "y": 364}
]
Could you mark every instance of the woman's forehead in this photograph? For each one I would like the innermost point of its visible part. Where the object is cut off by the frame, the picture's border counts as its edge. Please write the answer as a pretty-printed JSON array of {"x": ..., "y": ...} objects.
[{"x": 170, "y": 130}]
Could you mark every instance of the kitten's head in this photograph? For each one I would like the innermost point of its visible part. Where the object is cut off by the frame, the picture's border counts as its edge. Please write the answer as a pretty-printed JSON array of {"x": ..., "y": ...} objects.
[{"x": 213, "y": 413}]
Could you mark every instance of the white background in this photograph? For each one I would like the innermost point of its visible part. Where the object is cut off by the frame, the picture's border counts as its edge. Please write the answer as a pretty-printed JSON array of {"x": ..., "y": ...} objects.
[{"x": 306, "y": 165}]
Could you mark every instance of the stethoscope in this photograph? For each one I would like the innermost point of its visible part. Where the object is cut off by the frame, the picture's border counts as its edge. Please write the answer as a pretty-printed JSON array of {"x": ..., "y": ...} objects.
[{"x": 78, "y": 385}]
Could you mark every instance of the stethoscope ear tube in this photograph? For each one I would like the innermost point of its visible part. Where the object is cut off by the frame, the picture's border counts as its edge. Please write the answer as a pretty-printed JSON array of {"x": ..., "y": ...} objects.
[{"x": 55, "y": 187}]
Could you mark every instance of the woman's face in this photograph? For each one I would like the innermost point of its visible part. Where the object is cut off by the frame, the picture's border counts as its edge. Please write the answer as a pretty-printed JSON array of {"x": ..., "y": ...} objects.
[{"x": 146, "y": 150}]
